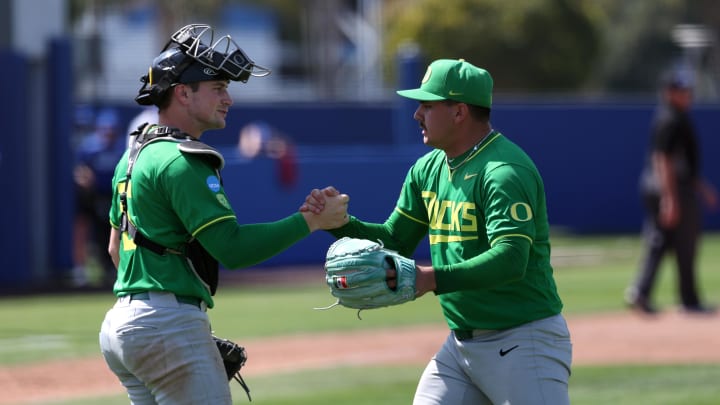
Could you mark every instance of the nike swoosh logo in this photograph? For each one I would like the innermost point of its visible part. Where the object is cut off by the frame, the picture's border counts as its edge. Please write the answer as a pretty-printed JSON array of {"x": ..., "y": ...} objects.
[
  {"x": 452, "y": 93},
  {"x": 469, "y": 176},
  {"x": 504, "y": 352}
]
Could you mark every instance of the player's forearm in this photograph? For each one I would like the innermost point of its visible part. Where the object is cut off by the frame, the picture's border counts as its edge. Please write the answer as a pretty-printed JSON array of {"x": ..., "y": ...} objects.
[
  {"x": 356, "y": 228},
  {"x": 114, "y": 246},
  {"x": 505, "y": 262},
  {"x": 425, "y": 280},
  {"x": 397, "y": 233},
  {"x": 237, "y": 246}
]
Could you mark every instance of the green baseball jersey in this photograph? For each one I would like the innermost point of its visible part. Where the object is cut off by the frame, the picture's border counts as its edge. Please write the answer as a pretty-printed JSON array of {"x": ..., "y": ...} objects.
[
  {"x": 171, "y": 197},
  {"x": 495, "y": 196},
  {"x": 488, "y": 231}
]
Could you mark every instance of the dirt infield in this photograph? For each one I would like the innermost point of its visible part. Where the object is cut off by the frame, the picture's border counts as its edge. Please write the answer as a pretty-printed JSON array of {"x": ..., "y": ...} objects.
[{"x": 617, "y": 338}]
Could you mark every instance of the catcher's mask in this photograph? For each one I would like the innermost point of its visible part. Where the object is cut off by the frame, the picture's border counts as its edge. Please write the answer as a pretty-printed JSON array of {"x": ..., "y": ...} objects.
[{"x": 192, "y": 55}]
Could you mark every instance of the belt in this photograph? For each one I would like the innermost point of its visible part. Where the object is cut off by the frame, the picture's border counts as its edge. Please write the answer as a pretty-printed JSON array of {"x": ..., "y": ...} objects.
[
  {"x": 182, "y": 299},
  {"x": 467, "y": 334},
  {"x": 463, "y": 334}
]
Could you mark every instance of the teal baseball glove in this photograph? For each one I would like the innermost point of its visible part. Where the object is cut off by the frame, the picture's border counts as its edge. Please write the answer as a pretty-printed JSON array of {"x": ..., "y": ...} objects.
[{"x": 356, "y": 271}]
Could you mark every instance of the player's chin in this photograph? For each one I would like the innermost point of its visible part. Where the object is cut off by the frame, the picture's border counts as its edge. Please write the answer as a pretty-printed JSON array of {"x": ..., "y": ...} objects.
[{"x": 219, "y": 123}]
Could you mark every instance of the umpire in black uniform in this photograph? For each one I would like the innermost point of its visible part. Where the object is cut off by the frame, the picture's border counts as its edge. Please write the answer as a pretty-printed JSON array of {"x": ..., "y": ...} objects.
[{"x": 672, "y": 189}]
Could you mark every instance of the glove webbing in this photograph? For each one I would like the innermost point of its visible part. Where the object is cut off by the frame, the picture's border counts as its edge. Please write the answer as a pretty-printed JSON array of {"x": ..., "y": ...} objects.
[{"x": 237, "y": 377}]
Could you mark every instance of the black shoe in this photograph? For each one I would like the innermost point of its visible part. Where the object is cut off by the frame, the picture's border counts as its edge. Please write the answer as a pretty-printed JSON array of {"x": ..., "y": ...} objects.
[
  {"x": 644, "y": 307},
  {"x": 699, "y": 310},
  {"x": 639, "y": 304}
]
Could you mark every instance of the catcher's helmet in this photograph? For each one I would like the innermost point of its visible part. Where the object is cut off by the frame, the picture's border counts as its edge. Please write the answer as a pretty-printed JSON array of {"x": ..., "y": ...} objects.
[{"x": 186, "y": 59}]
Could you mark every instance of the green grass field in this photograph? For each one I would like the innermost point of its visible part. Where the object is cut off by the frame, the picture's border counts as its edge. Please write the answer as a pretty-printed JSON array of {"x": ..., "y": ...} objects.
[{"x": 591, "y": 273}]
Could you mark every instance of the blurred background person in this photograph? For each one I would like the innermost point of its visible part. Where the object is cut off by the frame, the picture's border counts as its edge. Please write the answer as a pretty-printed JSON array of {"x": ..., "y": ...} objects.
[
  {"x": 147, "y": 115},
  {"x": 96, "y": 156},
  {"x": 672, "y": 189},
  {"x": 258, "y": 138}
]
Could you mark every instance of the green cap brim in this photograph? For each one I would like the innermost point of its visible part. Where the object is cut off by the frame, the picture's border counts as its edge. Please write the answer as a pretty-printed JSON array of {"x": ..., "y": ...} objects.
[{"x": 421, "y": 95}]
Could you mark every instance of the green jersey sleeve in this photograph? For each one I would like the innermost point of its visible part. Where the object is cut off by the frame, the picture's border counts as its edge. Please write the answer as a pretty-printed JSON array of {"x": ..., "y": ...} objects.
[
  {"x": 196, "y": 193},
  {"x": 507, "y": 199},
  {"x": 237, "y": 246},
  {"x": 402, "y": 231},
  {"x": 397, "y": 233},
  {"x": 118, "y": 177}
]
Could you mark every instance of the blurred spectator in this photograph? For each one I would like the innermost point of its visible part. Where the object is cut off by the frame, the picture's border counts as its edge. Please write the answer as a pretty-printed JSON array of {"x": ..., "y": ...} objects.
[
  {"x": 672, "y": 190},
  {"x": 84, "y": 123},
  {"x": 258, "y": 138},
  {"x": 96, "y": 156}
]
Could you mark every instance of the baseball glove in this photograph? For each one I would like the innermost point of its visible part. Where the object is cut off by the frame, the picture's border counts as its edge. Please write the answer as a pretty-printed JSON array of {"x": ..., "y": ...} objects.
[
  {"x": 356, "y": 271},
  {"x": 234, "y": 358}
]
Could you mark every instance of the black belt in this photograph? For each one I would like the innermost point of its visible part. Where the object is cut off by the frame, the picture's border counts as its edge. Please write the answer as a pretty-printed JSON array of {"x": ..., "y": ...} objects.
[
  {"x": 463, "y": 334},
  {"x": 182, "y": 299},
  {"x": 467, "y": 334}
]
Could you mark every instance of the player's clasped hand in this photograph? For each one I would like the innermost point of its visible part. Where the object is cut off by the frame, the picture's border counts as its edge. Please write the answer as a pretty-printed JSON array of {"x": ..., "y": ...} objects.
[
  {"x": 315, "y": 201},
  {"x": 330, "y": 213}
]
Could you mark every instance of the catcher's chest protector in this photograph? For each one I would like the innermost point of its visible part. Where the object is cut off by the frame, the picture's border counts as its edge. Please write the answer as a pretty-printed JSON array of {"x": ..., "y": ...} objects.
[{"x": 201, "y": 262}]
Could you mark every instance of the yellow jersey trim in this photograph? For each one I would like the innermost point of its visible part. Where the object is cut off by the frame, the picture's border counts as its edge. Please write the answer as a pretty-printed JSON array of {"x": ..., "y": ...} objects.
[
  {"x": 214, "y": 221},
  {"x": 512, "y": 235},
  {"x": 399, "y": 211}
]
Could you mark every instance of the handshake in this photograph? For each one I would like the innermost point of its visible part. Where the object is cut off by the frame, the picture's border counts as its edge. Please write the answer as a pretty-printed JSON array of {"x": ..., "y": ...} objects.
[
  {"x": 363, "y": 274},
  {"x": 325, "y": 209}
]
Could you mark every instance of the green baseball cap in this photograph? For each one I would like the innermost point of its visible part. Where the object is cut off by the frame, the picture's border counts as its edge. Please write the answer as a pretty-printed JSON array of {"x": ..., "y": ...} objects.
[{"x": 454, "y": 79}]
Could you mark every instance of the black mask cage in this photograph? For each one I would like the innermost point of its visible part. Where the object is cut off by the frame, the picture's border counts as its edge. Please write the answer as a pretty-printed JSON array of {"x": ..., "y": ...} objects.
[
  {"x": 196, "y": 43},
  {"x": 222, "y": 54}
]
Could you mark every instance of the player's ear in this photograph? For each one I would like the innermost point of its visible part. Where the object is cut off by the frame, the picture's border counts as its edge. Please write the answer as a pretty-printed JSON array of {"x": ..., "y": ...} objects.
[
  {"x": 181, "y": 91},
  {"x": 461, "y": 111}
]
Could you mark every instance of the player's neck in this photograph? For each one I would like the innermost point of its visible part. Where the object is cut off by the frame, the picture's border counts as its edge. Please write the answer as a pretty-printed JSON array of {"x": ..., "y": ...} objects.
[
  {"x": 471, "y": 142},
  {"x": 179, "y": 123}
]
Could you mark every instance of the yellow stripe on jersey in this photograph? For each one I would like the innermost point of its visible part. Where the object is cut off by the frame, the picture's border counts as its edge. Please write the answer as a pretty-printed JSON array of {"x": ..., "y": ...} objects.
[
  {"x": 121, "y": 188},
  {"x": 435, "y": 239},
  {"x": 214, "y": 221},
  {"x": 406, "y": 215},
  {"x": 512, "y": 235},
  {"x": 127, "y": 243}
]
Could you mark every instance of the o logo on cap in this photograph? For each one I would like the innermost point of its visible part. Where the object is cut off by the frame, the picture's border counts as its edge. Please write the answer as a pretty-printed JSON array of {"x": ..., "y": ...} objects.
[
  {"x": 428, "y": 72},
  {"x": 209, "y": 72}
]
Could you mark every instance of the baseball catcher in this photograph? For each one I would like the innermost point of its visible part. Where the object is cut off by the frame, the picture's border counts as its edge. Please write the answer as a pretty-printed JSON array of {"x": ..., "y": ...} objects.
[
  {"x": 362, "y": 274},
  {"x": 167, "y": 257}
]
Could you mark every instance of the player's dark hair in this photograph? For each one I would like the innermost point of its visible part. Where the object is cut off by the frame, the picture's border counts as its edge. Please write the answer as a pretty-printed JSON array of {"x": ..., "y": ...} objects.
[
  {"x": 479, "y": 113},
  {"x": 165, "y": 101}
]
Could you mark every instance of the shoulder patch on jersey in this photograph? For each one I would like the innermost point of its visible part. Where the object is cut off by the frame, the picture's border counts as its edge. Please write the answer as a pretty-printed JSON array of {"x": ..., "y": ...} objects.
[
  {"x": 221, "y": 198},
  {"x": 213, "y": 183},
  {"x": 199, "y": 148}
]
